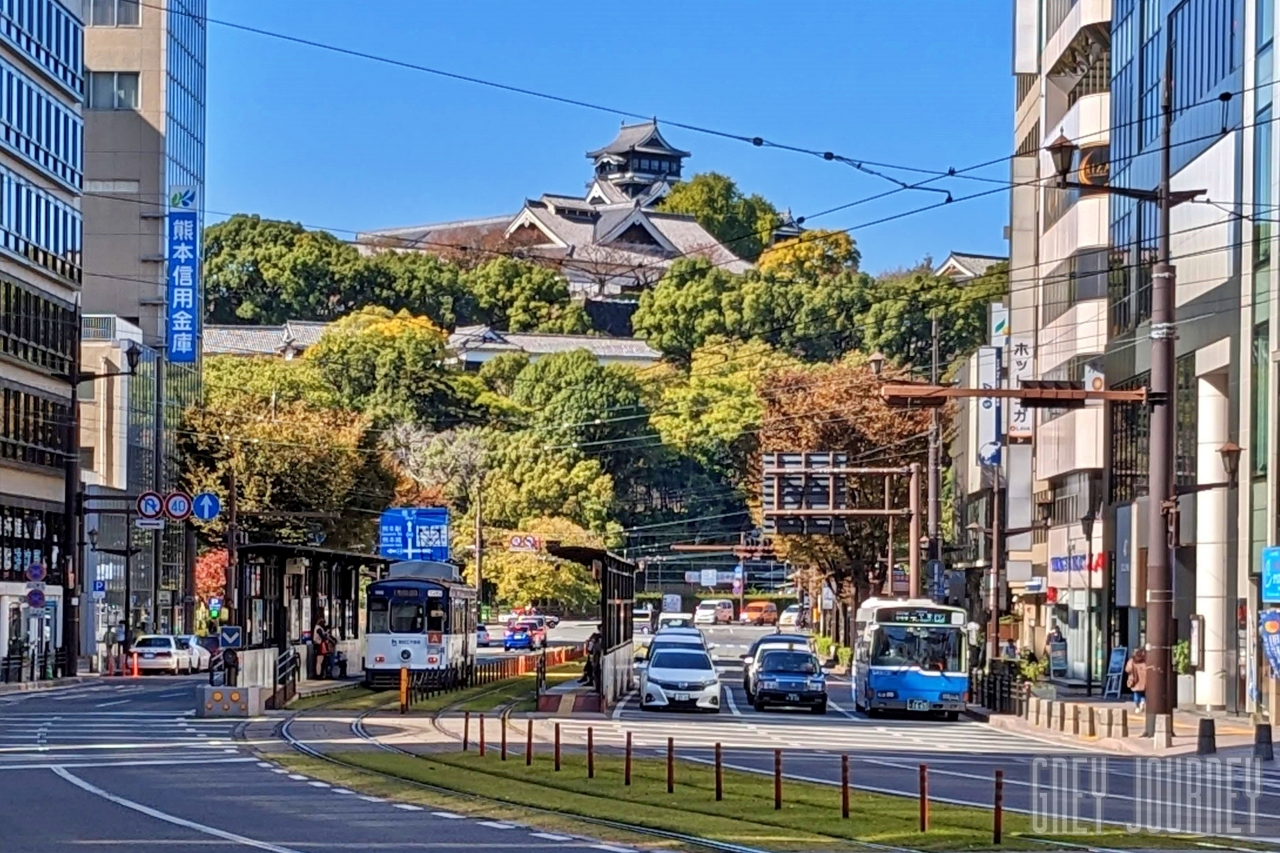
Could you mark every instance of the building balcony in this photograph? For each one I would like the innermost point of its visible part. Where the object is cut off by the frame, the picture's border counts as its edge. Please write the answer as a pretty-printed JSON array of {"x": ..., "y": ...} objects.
[
  {"x": 1085, "y": 25},
  {"x": 1080, "y": 330},
  {"x": 1083, "y": 224},
  {"x": 1070, "y": 442}
]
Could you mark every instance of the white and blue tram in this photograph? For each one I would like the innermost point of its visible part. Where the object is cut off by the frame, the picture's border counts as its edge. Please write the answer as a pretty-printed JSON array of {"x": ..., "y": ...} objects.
[{"x": 421, "y": 618}]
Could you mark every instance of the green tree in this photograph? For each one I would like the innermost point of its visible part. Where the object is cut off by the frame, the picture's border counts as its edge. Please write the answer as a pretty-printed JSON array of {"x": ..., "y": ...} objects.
[
  {"x": 813, "y": 255},
  {"x": 265, "y": 271},
  {"x": 898, "y": 319},
  {"x": 526, "y": 578},
  {"x": 420, "y": 283},
  {"x": 499, "y": 373},
  {"x": 388, "y": 365},
  {"x": 743, "y": 224},
  {"x": 270, "y": 381},
  {"x": 519, "y": 296},
  {"x": 686, "y": 308}
]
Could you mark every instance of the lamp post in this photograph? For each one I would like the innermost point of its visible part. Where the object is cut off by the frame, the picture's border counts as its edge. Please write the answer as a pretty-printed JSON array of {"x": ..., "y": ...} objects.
[
  {"x": 1086, "y": 527},
  {"x": 128, "y": 553}
]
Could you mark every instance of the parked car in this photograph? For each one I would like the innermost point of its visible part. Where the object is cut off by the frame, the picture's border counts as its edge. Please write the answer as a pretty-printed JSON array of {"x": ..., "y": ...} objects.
[
  {"x": 680, "y": 678},
  {"x": 526, "y": 634},
  {"x": 553, "y": 621},
  {"x": 759, "y": 613},
  {"x": 200, "y": 656},
  {"x": 789, "y": 617},
  {"x": 482, "y": 636},
  {"x": 714, "y": 611},
  {"x": 788, "y": 677},
  {"x": 642, "y": 620},
  {"x": 162, "y": 653}
]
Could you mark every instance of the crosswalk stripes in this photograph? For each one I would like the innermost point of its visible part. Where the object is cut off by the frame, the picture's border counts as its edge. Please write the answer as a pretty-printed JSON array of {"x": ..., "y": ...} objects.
[
  {"x": 118, "y": 734},
  {"x": 819, "y": 735}
]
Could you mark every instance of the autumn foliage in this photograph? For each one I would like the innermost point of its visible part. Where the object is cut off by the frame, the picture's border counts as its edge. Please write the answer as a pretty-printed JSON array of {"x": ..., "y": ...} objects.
[{"x": 211, "y": 574}]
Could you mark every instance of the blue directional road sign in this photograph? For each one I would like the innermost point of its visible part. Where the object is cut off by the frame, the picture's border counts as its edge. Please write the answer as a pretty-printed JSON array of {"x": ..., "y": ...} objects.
[
  {"x": 1271, "y": 575},
  {"x": 415, "y": 533},
  {"x": 229, "y": 636},
  {"x": 206, "y": 506}
]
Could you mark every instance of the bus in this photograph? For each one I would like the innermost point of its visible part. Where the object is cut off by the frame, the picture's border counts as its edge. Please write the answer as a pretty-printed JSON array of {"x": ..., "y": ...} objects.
[
  {"x": 421, "y": 618},
  {"x": 911, "y": 655}
]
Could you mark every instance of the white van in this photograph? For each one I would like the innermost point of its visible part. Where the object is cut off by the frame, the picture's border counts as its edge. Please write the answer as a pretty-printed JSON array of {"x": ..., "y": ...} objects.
[
  {"x": 713, "y": 611},
  {"x": 675, "y": 620}
]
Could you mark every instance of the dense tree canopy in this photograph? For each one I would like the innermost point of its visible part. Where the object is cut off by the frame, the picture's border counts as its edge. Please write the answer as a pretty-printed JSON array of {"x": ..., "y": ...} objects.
[{"x": 742, "y": 223}]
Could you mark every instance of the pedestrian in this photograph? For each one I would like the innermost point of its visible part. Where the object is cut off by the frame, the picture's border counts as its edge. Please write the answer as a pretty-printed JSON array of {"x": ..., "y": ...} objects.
[
  {"x": 1135, "y": 670},
  {"x": 1011, "y": 650},
  {"x": 588, "y": 668},
  {"x": 323, "y": 643}
]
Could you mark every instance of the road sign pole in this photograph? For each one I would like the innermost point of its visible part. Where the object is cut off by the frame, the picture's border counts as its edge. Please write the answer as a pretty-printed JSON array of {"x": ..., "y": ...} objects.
[{"x": 128, "y": 582}]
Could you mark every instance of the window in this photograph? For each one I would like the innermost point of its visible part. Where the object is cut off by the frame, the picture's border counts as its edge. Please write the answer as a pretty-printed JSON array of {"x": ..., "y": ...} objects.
[
  {"x": 44, "y": 32},
  {"x": 39, "y": 128},
  {"x": 35, "y": 329},
  {"x": 113, "y": 90},
  {"x": 32, "y": 427},
  {"x": 1262, "y": 188},
  {"x": 113, "y": 13}
]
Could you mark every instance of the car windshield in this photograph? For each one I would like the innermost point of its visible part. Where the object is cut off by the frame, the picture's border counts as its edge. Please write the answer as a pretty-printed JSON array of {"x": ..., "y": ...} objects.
[
  {"x": 185, "y": 640},
  {"x": 785, "y": 661},
  {"x": 153, "y": 643},
  {"x": 675, "y": 622},
  {"x": 677, "y": 659},
  {"x": 708, "y": 605},
  {"x": 930, "y": 648},
  {"x": 795, "y": 608}
]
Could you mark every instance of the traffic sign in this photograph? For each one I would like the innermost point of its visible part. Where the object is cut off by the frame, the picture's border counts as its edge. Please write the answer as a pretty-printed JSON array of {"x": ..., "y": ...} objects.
[
  {"x": 215, "y": 607},
  {"x": 177, "y": 505},
  {"x": 35, "y": 598},
  {"x": 150, "y": 505},
  {"x": 524, "y": 542},
  {"x": 206, "y": 506},
  {"x": 99, "y": 590},
  {"x": 415, "y": 533},
  {"x": 149, "y": 523},
  {"x": 229, "y": 636},
  {"x": 1271, "y": 575},
  {"x": 36, "y": 573}
]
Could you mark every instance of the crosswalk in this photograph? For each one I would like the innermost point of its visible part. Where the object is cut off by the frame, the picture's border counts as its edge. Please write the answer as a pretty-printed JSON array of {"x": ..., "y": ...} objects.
[
  {"x": 110, "y": 734},
  {"x": 827, "y": 734}
]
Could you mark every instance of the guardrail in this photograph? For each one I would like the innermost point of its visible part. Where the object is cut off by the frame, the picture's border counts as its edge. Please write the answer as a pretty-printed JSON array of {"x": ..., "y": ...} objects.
[
  {"x": 284, "y": 679},
  {"x": 1001, "y": 690},
  {"x": 416, "y": 687}
]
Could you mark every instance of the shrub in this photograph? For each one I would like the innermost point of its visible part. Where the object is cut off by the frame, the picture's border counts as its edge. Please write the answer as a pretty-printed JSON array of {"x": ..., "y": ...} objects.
[
  {"x": 1035, "y": 670},
  {"x": 823, "y": 646},
  {"x": 1182, "y": 657},
  {"x": 844, "y": 655}
]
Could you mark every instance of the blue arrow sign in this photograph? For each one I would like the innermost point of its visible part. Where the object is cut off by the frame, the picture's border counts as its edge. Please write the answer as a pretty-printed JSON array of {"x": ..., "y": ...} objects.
[
  {"x": 206, "y": 506},
  {"x": 229, "y": 636},
  {"x": 418, "y": 533}
]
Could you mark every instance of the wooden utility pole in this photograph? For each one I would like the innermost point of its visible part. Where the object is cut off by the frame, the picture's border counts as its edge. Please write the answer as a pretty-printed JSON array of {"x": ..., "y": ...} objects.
[{"x": 479, "y": 544}]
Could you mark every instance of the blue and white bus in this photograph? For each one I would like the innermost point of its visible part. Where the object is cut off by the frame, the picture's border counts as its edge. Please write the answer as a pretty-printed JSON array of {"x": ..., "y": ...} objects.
[{"x": 912, "y": 655}]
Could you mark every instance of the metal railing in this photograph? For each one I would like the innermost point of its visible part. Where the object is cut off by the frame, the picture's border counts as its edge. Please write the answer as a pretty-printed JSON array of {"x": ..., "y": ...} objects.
[
  {"x": 420, "y": 686},
  {"x": 1001, "y": 690},
  {"x": 11, "y": 668},
  {"x": 284, "y": 679}
]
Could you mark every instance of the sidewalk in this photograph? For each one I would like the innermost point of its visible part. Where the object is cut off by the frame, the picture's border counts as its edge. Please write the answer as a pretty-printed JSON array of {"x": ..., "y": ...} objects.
[{"x": 46, "y": 684}]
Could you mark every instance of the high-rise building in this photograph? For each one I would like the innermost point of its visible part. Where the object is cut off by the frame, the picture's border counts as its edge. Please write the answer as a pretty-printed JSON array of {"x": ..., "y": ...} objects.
[
  {"x": 42, "y": 86},
  {"x": 144, "y": 139}
]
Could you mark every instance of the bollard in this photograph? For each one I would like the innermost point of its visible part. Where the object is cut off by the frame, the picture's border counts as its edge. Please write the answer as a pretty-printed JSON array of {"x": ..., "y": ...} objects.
[
  {"x": 777, "y": 779},
  {"x": 135, "y": 664},
  {"x": 626, "y": 767},
  {"x": 671, "y": 765},
  {"x": 1109, "y": 726},
  {"x": 997, "y": 812},
  {"x": 466, "y": 729},
  {"x": 1262, "y": 748},
  {"x": 1207, "y": 738},
  {"x": 1124, "y": 722},
  {"x": 504, "y": 739},
  {"x": 924, "y": 798},
  {"x": 1091, "y": 722},
  {"x": 528, "y": 745},
  {"x": 482, "y": 735},
  {"x": 844, "y": 787},
  {"x": 404, "y": 690},
  {"x": 719, "y": 776},
  {"x": 1075, "y": 720},
  {"x": 591, "y": 753},
  {"x": 1062, "y": 716},
  {"x": 557, "y": 747}
]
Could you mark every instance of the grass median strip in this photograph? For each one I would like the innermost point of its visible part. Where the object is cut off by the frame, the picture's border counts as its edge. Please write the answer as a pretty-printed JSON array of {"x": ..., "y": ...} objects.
[{"x": 809, "y": 819}]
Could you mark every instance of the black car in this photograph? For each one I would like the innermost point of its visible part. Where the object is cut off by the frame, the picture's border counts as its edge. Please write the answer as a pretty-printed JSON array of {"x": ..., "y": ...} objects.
[
  {"x": 784, "y": 641},
  {"x": 790, "y": 677}
]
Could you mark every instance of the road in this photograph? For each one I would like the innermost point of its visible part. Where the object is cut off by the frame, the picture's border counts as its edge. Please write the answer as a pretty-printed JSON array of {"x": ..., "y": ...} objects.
[
  {"x": 566, "y": 633},
  {"x": 123, "y": 765},
  {"x": 962, "y": 758}
]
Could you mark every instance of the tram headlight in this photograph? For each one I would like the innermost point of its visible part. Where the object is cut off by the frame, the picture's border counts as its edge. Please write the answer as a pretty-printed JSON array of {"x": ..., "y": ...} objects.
[{"x": 405, "y": 654}]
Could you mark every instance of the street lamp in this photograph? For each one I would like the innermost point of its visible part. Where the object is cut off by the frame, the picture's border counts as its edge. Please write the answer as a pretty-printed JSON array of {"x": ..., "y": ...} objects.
[
  {"x": 876, "y": 360},
  {"x": 1086, "y": 527},
  {"x": 128, "y": 554}
]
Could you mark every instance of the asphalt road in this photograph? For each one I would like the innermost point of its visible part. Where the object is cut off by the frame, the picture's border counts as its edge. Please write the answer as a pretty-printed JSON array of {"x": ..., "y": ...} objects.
[
  {"x": 123, "y": 765},
  {"x": 1225, "y": 794}
]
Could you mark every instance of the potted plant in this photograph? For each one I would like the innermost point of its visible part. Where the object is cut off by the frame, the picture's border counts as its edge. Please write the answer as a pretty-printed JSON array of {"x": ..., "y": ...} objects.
[{"x": 1186, "y": 679}]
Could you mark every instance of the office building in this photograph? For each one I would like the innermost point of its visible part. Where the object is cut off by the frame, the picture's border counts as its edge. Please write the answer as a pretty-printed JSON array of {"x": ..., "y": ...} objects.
[
  {"x": 144, "y": 139},
  {"x": 42, "y": 86}
]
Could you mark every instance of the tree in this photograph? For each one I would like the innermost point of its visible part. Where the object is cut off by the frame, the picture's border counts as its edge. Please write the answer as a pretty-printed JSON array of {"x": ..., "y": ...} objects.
[
  {"x": 525, "y": 578},
  {"x": 390, "y": 366},
  {"x": 743, "y": 224},
  {"x": 519, "y": 296},
  {"x": 211, "y": 574},
  {"x": 264, "y": 271},
  {"x": 420, "y": 283},
  {"x": 811, "y": 256},
  {"x": 898, "y": 319},
  {"x": 453, "y": 463},
  {"x": 228, "y": 379},
  {"x": 499, "y": 374},
  {"x": 686, "y": 308}
]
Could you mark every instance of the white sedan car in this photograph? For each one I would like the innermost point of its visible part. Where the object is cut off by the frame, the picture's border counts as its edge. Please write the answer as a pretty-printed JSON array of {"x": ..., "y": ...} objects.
[
  {"x": 680, "y": 677},
  {"x": 200, "y": 656},
  {"x": 162, "y": 653}
]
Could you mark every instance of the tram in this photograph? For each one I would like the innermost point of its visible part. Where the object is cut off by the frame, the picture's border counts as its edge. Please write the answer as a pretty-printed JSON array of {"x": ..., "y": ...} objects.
[
  {"x": 421, "y": 618},
  {"x": 911, "y": 655}
]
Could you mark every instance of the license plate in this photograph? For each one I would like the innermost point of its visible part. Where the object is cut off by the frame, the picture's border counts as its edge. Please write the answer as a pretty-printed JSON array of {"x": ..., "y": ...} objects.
[
  {"x": 682, "y": 697},
  {"x": 793, "y": 697},
  {"x": 917, "y": 705}
]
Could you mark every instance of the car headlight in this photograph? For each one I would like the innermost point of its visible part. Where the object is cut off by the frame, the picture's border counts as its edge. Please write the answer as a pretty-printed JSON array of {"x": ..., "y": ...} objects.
[
  {"x": 950, "y": 697},
  {"x": 711, "y": 682},
  {"x": 886, "y": 694}
]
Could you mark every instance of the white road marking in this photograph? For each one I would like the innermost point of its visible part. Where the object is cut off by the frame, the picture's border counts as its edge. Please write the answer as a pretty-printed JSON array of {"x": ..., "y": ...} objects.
[
  {"x": 733, "y": 706},
  {"x": 342, "y": 791},
  {"x": 617, "y": 712},
  {"x": 449, "y": 815},
  {"x": 550, "y": 837},
  {"x": 109, "y": 704},
  {"x": 264, "y": 764},
  {"x": 373, "y": 799},
  {"x": 280, "y": 770},
  {"x": 319, "y": 784},
  {"x": 298, "y": 777},
  {"x": 613, "y": 849},
  {"x": 494, "y": 824},
  {"x": 407, "y": 807},
  {"x": 159, "y": 762},
  {"x": 173, "y": 819}
]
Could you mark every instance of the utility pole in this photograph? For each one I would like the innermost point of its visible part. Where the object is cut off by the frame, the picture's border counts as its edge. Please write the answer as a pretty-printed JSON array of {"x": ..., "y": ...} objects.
[
  {"x": 159, "y": 484},
  {"x": 993, "y": 579},
  {"x": 935, "y": 461},
  {"x": 479, "y": 544},
  {"x": 233, "y": 559},
  {"x": 1159, "y": 722},
  {"x": 913, "y": 532},
  {"x": 72, "y": 508}
]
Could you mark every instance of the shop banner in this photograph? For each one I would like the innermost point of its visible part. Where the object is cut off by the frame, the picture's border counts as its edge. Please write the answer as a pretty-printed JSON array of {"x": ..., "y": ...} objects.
[{"x": 1269, "y": 629}]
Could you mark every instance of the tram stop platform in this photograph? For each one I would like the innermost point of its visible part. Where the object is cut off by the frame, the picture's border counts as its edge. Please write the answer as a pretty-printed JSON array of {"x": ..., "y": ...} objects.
[{"x": 569, "y": 698}]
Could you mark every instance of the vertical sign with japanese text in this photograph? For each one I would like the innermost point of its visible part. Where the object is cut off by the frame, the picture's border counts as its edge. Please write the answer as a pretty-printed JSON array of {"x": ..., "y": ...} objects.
[
  {"x": 988, "y": 419},
  {"x": 1022, "y": 358},
  {"x": 184, "y": 302}
]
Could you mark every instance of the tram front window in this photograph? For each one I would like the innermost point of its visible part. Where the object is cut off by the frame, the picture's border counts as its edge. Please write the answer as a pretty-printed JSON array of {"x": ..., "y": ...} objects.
[
  {"x": 396, "y": 617},
  {"x": 435, "y": 619}
]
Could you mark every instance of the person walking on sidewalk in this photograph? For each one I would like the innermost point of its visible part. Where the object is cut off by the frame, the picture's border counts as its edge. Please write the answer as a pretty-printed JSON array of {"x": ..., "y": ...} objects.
[{"x": 1135, "y": 670}]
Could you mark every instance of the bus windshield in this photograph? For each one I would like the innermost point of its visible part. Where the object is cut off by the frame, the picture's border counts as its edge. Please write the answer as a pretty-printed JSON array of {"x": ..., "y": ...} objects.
[{"x": 931, "y": 648}]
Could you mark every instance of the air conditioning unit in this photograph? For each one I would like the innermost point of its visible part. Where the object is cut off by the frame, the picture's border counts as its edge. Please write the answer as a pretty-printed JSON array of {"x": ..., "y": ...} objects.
[{"x": 295, "y": 566}]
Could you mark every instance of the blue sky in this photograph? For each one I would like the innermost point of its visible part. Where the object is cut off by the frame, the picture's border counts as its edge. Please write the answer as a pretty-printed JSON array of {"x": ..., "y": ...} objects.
[{"x": 345, "y": 143}]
